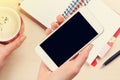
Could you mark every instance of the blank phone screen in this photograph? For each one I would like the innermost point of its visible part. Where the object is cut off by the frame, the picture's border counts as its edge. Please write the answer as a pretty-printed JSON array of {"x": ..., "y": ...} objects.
[{"x": 68, "y": 39}]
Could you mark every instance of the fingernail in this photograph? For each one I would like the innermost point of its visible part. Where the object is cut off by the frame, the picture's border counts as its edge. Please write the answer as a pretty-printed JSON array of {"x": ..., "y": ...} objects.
[
  {"x": 89, "y": 47},
  {"x": 48, "y": 31},
  {"x": 22, "y": 37}
]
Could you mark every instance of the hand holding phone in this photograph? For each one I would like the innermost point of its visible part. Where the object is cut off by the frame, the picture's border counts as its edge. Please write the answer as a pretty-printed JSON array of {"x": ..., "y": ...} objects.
[
  {"x": 72, "y": 67},
  {"x": 66, "y": 41}
]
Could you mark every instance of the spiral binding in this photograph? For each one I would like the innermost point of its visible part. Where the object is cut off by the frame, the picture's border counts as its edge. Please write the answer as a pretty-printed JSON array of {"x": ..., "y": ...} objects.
[{"x": 74, "y": 5}]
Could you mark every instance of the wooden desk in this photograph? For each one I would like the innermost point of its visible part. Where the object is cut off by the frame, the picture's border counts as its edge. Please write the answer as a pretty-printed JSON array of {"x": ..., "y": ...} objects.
[{"x": 23, "y": 64}]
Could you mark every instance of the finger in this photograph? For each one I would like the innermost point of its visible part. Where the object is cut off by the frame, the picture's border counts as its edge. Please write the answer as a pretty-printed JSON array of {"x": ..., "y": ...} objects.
[
  {"x": 22, "y": 27},
  {"x": 81, "y": 58},
  {"x": 71, "y": 68},
  {"x": 14, "y": 44},
  {"x": 54, "y": 25},
  {"x": 43, "y": 71},
  {"x": 44, "y": 68},
  {"x": 1, "y": 44},
  {"x": 48, "y": 31},
  {"x": 68, "y": 70},
  {"x": 60, "y": 19}
]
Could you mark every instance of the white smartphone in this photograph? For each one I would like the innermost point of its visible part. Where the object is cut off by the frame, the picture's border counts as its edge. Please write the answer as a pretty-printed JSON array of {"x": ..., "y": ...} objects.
[{"x": 66, "y": 41}]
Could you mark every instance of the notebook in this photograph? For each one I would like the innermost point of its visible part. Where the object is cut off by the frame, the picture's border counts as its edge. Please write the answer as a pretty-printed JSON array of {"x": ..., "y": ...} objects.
[
  {"x": 109, "y": 20},
  {"x": 46, "y": 11}
]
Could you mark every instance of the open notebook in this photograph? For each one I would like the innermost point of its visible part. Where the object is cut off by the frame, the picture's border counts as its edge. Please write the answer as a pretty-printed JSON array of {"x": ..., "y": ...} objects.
[
  {"x": 109, "y": 20},
  {"x": 46, "y": 11}
]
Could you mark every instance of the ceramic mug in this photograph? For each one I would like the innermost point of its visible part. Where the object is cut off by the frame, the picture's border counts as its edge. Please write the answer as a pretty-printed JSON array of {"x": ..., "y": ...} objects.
[{"x": 10, "y": 24}]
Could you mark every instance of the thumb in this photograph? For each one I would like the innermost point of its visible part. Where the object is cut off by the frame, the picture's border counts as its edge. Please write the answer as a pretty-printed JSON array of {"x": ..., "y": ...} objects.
[
  {"x": 14, "y": 44},
  {"x": 83, "y": 55}
]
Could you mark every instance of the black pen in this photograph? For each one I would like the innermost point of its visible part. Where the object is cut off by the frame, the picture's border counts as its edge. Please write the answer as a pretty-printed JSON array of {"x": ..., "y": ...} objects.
[{"x": 112, "y": 58}]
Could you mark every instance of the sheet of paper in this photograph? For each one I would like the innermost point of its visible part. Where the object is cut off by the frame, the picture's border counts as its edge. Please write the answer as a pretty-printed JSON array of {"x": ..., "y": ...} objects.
[{"x": 110, "y": 22}]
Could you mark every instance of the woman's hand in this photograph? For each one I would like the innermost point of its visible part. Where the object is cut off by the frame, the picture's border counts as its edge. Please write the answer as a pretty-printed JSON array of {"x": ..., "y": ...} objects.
[
  {"x": 7, "y": 49},
  {"x": 69, "y": 69}
]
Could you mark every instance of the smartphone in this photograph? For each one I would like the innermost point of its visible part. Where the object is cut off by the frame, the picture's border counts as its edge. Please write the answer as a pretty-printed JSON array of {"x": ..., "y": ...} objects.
[{"x": 71, "y": 37}]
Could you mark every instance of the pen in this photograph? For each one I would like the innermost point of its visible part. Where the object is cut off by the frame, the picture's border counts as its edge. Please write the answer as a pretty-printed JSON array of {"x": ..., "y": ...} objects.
[{"x": 111, "y": 58}]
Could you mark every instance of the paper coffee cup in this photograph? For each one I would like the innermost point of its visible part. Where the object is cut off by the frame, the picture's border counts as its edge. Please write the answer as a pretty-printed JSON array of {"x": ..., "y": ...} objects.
[{"x": 10, "y": 23}]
